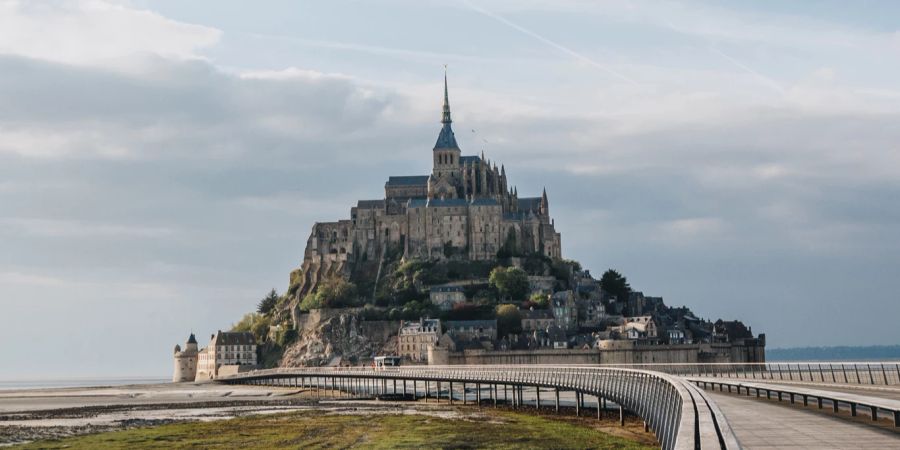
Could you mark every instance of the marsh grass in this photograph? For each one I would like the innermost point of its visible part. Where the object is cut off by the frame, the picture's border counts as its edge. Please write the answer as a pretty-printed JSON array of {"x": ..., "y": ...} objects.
[{"x": 318, "y": 430}]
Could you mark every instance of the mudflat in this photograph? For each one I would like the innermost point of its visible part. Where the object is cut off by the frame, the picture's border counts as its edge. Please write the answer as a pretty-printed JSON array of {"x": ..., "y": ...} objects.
[{"x": 202, "y": 414}]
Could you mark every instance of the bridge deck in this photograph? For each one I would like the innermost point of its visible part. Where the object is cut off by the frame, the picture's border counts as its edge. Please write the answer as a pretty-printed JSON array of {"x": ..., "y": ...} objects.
[
  {"x": 885, "y": 392},
  {"x": 761, "y": 424}
]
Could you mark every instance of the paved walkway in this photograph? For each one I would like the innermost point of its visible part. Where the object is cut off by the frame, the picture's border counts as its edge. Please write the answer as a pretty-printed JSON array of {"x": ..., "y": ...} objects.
[
  {"x": 890, "y": 392},
  {"x": 763, "y": 424}
]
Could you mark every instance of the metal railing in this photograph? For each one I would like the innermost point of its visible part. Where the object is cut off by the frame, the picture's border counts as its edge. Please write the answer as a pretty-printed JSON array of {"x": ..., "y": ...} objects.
[
  {"x": 680, "y": 414},
  {"x": 859, "y": 373},
  {"x": 834, "y": 398}
]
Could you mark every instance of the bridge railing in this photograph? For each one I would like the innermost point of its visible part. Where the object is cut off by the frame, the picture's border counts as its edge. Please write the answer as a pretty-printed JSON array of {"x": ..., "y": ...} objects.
[
  {"x": 676, "y": 411},
  {"x": 867, "y": 372}
]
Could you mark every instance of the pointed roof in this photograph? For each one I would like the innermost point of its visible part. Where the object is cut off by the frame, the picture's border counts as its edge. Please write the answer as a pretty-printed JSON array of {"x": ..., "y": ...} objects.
[
  {"x": 192, "y": 339},
  {"x": 445, "y": 118},
  {"x": 446, "y": 138}
]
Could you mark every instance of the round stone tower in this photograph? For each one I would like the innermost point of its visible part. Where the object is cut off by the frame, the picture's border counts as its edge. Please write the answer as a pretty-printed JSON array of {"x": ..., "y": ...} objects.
[{"x": 186, "y": 361}]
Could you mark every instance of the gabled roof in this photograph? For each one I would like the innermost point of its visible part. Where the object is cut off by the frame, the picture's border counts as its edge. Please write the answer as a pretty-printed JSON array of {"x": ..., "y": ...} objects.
[
  {"x": 412, "y": 180},
  {"x": 233, "y": 338},
  {"x": 456, "y": 324},
  {"x": 436, "y": 202},
  {"x": 370, "y": 204},
  {"x": 468, "y": 159},
  {"x": 447, "y": 288},
  {"x": 485, "y": 201},
  {"x": 529, "y": 203}
]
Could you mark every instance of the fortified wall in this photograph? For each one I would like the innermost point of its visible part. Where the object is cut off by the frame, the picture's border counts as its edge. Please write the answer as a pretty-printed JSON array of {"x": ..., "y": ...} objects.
[{"x": 614, "y": 352}]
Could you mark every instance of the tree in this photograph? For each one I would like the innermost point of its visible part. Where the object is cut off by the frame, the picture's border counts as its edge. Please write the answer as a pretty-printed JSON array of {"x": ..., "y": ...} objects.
[
  {"x": 541, "y": 301},
  {"x": 267, "y": 304},
  {"x": 509, "y": 320},
  {"x": 260, "y": 329},
  {"x": 510, "y": 282},
  {"x": 614, "y": 283},
  {"x": 246, "y": 322}
]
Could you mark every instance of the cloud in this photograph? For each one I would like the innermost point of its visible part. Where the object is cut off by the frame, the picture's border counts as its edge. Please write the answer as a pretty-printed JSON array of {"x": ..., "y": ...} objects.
[
  {"x": 95, "y": 32},
  {"x": 147, "y": 179},
  {"x": 80, "y": 229},
  {"x": 179, "y": 109}
]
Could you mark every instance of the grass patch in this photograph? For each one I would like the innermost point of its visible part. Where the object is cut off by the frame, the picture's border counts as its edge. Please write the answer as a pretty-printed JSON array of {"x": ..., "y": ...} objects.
[{"x": 315, "y": 430}]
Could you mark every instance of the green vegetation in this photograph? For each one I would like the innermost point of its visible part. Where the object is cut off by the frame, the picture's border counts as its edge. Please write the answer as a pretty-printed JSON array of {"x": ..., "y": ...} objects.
[
  {"x": 509, "y": 320},
  {"x": 333, "y": 292},
  {"x": 501, "y": 430},
  {"x": 616, "y": 284},
  {"x": 510, "y": 282},
  {"x": 539, "y": 301},
  {"x": 268, "y": 303}
]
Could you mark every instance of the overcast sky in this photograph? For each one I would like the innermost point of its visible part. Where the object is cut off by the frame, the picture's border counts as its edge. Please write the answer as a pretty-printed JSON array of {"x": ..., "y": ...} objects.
[{"x": 162, "y": 162}]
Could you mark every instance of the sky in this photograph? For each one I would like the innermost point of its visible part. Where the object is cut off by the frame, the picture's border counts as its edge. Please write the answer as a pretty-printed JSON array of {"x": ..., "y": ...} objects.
[{"x": 162, "y": 162}]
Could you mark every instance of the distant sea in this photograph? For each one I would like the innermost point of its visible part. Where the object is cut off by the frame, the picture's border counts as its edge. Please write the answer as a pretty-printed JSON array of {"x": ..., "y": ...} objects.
[
  {"x": 6, "y": 385},
  {"x": 841, "y": 353}
]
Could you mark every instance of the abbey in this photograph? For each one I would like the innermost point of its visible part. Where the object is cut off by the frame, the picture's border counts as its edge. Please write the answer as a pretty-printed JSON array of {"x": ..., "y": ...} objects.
[{"x": 464, "y": 209}]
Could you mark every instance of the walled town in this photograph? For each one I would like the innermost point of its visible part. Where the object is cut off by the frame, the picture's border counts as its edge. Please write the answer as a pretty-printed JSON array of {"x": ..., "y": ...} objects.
[{"x": 455, "y": 267}]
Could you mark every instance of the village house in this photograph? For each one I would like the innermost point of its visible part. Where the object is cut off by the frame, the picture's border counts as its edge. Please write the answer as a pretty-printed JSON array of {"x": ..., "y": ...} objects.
[
  {"x": 541, "y": 284},
  {"x": 472, "y": 329},
  {"x": 565, "y": 310},
  {"x": 537, "y": 319},
  {"x": 415, "y": 337},
  {"x": 445, "y": 296},
  {"x": 227, "y": 352}
]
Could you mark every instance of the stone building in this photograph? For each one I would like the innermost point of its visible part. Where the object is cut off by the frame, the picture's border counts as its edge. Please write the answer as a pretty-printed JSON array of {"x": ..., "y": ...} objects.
[
  {"x": 186, "y": 361},
  {"x": 565, "y": 310},
  {"x": 465, "y": 208},
  {"x": 445, "y": 296},
  {"x": 415, "y": 337},
  {"x": 473, "y": 329},
  {"x": 227, "y": 352},
  {"x": 537, "y": 319}
]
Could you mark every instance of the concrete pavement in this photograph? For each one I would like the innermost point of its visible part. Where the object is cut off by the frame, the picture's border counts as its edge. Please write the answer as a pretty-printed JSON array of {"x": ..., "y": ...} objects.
[{"x": 763, "y": 424}]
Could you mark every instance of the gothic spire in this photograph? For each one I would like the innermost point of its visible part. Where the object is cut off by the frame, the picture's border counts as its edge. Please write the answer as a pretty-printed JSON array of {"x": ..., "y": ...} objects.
[
  {"x": 446, "y": 138},
  {"x": 446, "y": 115}
]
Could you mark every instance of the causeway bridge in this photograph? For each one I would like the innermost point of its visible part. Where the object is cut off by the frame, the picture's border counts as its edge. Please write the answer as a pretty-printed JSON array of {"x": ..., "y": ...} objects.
[{"x": 687, "y": 406}]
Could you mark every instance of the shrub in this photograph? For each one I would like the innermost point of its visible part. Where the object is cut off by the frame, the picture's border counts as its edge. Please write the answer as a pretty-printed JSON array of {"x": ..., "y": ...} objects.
[
  {"x": 509, "y": 320},
  {"x": 334, "y": 292},
  {"x": 510, "y": 282}
]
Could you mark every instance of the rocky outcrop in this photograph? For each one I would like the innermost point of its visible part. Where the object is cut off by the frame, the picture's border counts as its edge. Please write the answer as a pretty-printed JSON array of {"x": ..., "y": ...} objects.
[{"x": 339, "y": 337}]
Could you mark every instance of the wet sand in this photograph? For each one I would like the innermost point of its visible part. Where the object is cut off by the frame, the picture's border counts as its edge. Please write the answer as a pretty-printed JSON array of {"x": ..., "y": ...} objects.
[
  {"x": 34, "y": 414},
  {"x": 31, "y": 414}
]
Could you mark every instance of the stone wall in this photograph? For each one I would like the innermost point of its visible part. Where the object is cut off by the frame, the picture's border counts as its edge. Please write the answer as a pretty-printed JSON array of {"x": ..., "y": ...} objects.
[{"x": 626, "y": 353}]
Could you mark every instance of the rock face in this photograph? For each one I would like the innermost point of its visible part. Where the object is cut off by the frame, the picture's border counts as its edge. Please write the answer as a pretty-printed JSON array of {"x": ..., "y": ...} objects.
[{"x": 339, "y": 337}]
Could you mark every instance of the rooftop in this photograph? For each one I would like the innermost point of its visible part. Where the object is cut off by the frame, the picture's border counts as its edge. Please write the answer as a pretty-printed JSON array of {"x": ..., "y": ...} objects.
[{"x": 412, "y": 180}]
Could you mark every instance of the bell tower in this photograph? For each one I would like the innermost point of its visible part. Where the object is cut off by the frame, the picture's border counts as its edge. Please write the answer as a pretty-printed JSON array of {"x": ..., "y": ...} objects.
[{"x": 446, "y": 151}]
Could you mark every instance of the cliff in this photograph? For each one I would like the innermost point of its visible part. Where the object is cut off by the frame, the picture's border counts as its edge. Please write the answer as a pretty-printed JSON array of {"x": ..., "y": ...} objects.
[{"x": 339, "y": 337}]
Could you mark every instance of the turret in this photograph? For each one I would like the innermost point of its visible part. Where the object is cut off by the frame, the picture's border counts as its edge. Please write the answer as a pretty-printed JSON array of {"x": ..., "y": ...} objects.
[
  {"x": 185, "y": 361},
  {"x": 545, "y": 204}
]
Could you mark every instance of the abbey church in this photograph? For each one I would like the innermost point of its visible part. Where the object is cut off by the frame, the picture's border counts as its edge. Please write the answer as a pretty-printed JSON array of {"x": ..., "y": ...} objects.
[{"x": 464, "y": 209}]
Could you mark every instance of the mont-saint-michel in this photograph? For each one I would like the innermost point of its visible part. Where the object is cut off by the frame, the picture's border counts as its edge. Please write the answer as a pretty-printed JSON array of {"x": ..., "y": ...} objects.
[{"x": 455, "y": 267}]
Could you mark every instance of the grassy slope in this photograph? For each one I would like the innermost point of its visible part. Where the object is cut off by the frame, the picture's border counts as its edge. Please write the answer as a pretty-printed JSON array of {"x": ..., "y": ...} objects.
[{"x": 315, "y": 430}]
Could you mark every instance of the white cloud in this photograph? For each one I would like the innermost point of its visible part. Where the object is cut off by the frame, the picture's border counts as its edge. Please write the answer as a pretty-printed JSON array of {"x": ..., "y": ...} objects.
[
  {"x": 689, "y": 230},
  {"x": 95, "y": 32},
  {"x": 80, "y": 229}
]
